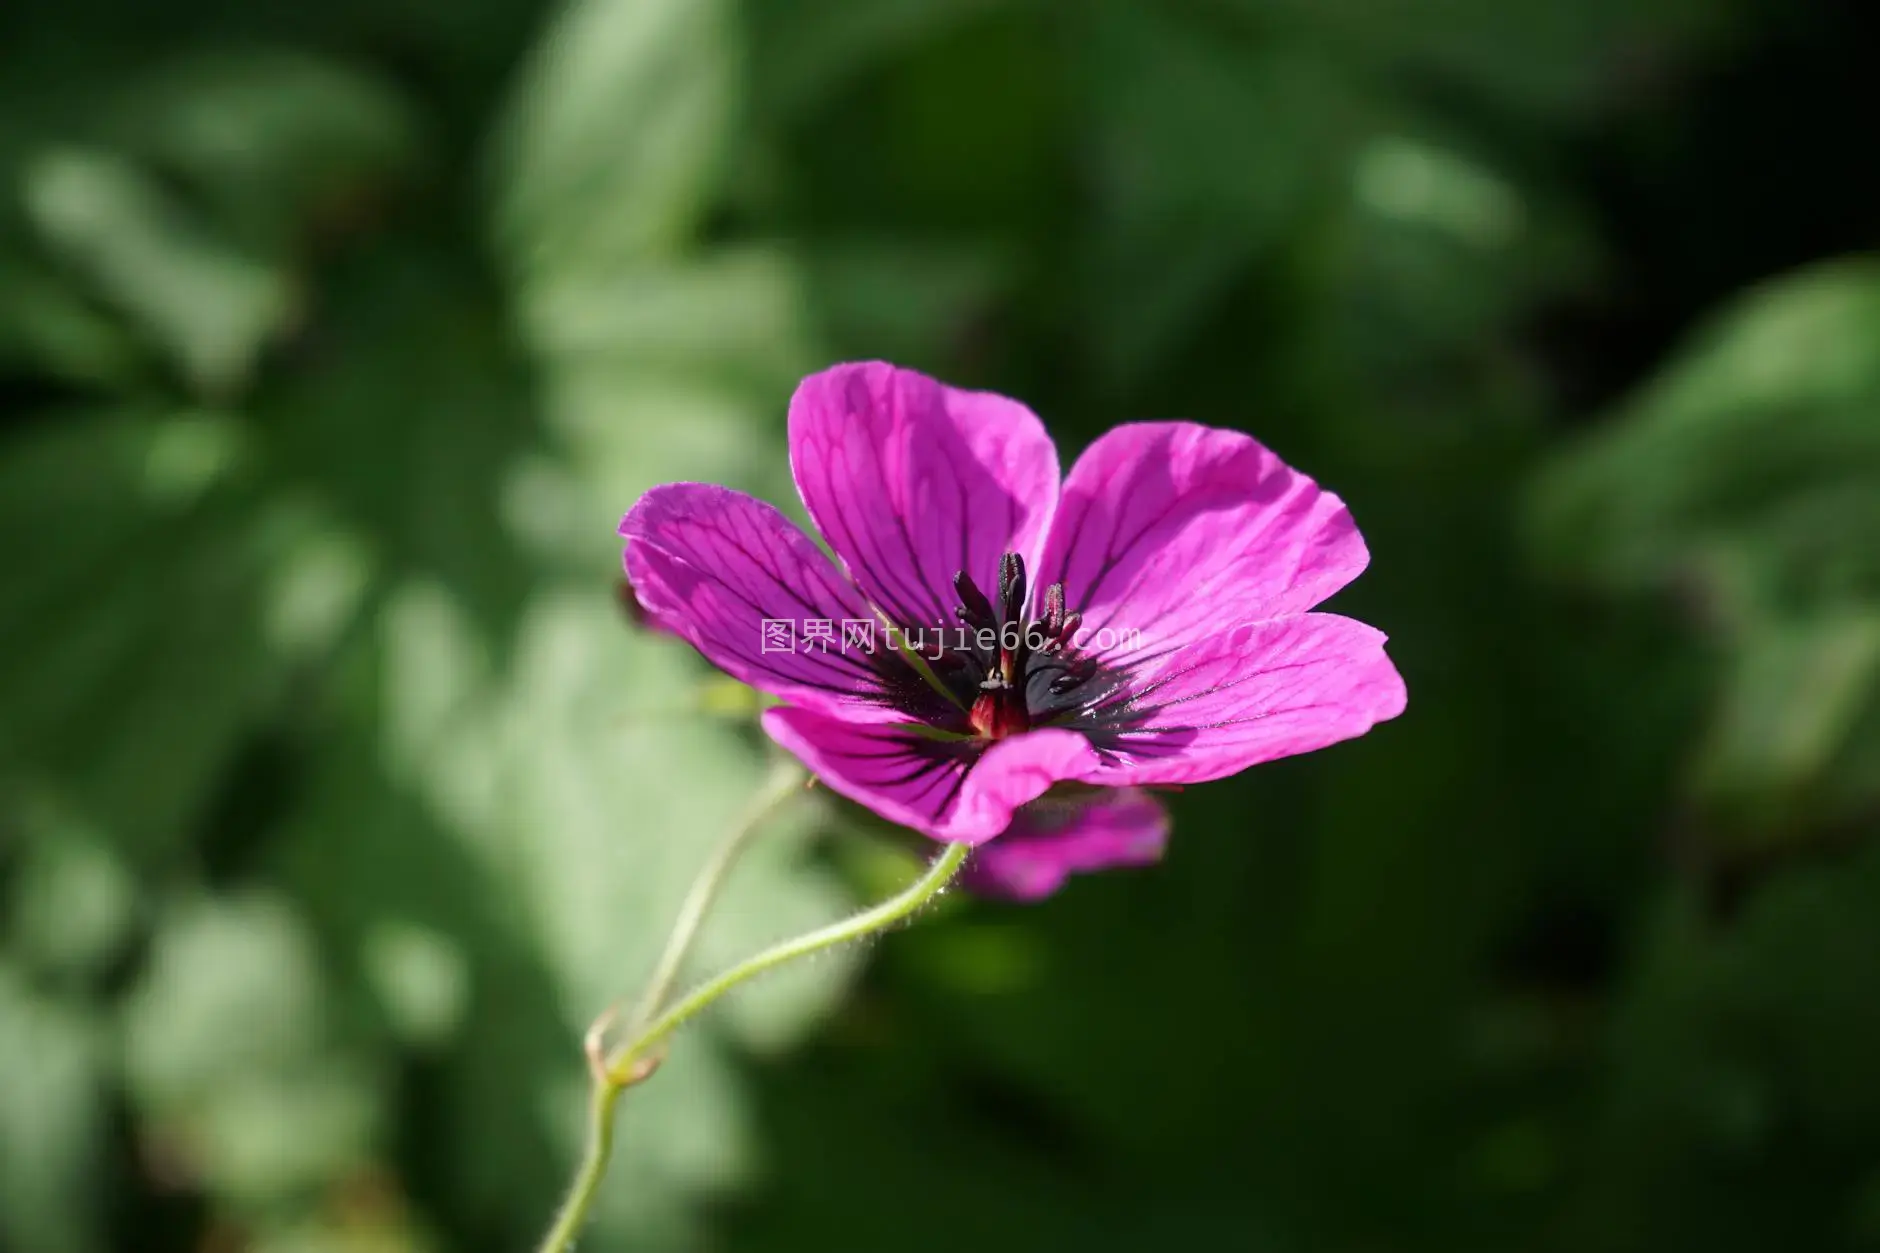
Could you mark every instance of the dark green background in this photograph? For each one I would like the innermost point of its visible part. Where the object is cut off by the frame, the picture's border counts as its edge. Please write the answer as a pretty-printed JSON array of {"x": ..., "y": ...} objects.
[{"x": 337, "y": 794}]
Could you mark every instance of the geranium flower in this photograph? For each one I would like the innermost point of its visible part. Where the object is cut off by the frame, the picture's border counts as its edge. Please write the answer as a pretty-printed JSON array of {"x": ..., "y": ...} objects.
[{"x": 991, "y": 635}]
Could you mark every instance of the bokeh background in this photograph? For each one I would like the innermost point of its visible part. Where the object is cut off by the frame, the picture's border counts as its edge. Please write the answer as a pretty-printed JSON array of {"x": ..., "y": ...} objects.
[{"x": 338, "y": 793}]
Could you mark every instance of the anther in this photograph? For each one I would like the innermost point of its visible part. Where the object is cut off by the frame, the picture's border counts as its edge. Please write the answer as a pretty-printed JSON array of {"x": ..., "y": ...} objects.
[
  {"x": 1054, "y": 610},
  {"x": 1011, "y": 586},
  {"x": 972, "y": 600}
]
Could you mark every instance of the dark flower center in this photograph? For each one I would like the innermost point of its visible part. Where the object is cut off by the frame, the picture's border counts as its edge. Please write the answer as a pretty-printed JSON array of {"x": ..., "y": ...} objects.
[
  {"x": 1009, "y": 671},
  {"x": 999, "y": 671}
]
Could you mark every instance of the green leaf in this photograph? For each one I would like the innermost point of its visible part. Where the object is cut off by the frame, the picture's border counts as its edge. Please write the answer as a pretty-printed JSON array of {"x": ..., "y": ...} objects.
[
  {"x": 131, "y": 682},
  {"x": 47, "y": 325},
  {"x": 1746, "y": 478},
  {"x": 230, "y": 1050},
  {"x": 733, "y": 316},
  {"x": 1773, "y": 408},
  {"x": 210, "y": 304},
  {"x": 73, "y": 901},
  {"x": 275, "y": 140},
  {"x": 1789, "y": 708},
  {"x": 52, "y": 1122},
  {"x": 611, "y": 146}
]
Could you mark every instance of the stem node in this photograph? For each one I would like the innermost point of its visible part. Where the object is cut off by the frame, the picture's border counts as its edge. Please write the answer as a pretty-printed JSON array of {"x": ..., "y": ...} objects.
[{"x": 651, "y": 1030}]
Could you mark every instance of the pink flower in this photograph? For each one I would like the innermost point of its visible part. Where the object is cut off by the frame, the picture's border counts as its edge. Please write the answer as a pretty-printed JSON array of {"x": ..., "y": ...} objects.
[
  {"x": 991, "y": 632},
  {"x": 1050, "y": 840}
]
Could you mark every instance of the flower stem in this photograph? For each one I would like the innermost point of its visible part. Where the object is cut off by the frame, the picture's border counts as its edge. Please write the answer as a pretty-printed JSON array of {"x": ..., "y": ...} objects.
[
  {"x": 637, "y": 1059},
  {"x": 587, "y": 1182},
  {"x": 876, "y": 918},
  {"x": 786, "y": 777},
  {"x": 783, "y": 782}
]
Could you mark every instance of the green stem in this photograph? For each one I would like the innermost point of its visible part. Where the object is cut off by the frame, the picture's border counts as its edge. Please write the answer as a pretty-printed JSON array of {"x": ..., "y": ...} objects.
[
  {"x": 876, "y": 918},
  {"x": 635, "y": 1060},
  {"x": 786, "y": 779},
  {"x": 587, "y": 1183}
]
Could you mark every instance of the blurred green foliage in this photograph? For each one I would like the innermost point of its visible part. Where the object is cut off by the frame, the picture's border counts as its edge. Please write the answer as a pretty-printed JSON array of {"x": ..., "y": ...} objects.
[{"x": 337, "y": 795}]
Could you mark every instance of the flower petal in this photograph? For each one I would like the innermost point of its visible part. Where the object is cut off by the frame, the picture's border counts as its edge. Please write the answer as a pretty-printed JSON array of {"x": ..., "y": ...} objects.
[
  {"x": 912, "y": 481},
  {"x": 713, "y": 566},
  {"x": 1049, "y": 841},
  {"x": 1262, "y": 691},
  {"x": 1169, "y": 531},
  {"x": 960, "y": 791},
  {"x": 637, "y": 612}
]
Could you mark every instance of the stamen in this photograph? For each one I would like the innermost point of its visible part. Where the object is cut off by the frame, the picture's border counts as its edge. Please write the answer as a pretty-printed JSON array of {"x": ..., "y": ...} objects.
[
  {"x": 1054, "y": 610},
  {"x": 1011, "y": 586},
  {"x": 973, "y": 602},
  {"x": 1032, "y": 673}
]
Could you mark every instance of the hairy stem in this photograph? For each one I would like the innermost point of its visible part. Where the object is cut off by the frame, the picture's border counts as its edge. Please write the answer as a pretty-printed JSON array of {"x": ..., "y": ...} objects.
[
  {"x": 650, "y": 1028},
  {"x": 786, "y": 777},
  {"x": 609, "y": 1082},
  {"x": 587, "y": 1181},
  {"x": 877, "y": 918}
]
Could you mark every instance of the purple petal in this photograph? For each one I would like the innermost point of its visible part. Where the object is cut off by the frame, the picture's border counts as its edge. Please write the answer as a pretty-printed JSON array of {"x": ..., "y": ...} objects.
[
  {"x": 960, "y": 791},
  {"x": 1173, "y": 531},
  {"x": 912, "y": 481},
  {"x": 1049, "y": 841},
  {"x": 714, "y": 565},
  {"x": 1261, "y": 691},
  {"x": 638, "y": 614}
]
